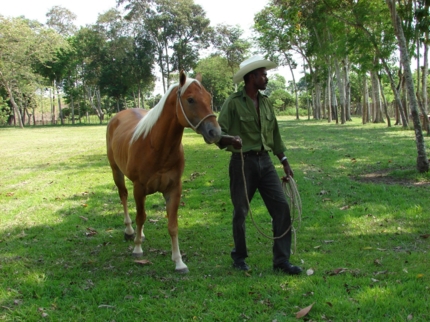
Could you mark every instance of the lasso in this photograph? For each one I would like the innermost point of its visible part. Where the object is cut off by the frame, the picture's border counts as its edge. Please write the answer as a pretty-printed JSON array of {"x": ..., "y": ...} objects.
[{"x": 290, "y": 190}]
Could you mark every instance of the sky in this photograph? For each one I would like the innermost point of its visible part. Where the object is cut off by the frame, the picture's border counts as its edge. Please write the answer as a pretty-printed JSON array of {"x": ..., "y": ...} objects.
[{"x": 231, "y": 12}]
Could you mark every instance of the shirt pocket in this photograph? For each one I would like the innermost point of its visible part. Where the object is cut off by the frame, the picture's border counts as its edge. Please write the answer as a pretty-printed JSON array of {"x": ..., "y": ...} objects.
[
  {"x": 248, "y": 124},
  {"x": 269, "y": 122}
]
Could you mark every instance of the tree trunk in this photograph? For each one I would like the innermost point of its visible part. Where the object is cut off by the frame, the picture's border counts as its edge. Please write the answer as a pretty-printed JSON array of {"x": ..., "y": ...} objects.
[
  {"x": 424, "y": 80},
  {"x": 34, "y": 116},
  {"x": 60, "y": 110},
  {"x": 333, "y": 99},
  {"x": 377, "y": 109},
  {"x": 72, "y": 109},
  {"x": 384, "y": 103},
  {"x": 397, "y": 97},
  {"x": 347, "y": 90},
  {"x": 54, "y": 116},
  {"x": 329, "y": 111},
  {"x": 422, "y": 160},
  {"x": 294, "y": 86},
  {"x": 365, "y": 116},
  {"x": 341, "y": 89},
  {"x": 15, "y": 106}
]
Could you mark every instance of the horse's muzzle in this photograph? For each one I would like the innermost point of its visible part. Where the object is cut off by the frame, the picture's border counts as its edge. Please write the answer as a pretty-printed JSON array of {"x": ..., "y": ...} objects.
[{"x": 210, "y": 131}]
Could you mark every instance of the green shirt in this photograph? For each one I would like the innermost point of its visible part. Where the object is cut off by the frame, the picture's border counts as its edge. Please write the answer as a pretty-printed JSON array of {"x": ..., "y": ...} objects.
[{"x": 239, "y": 117}]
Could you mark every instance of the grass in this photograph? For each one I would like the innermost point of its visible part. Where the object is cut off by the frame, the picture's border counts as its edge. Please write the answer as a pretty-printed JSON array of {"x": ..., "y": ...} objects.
[{"x": 363, "y": 238}]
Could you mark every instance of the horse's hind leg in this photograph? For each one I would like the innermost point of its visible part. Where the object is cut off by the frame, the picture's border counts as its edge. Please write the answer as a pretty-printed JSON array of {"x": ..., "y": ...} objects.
[{"x": 118, "y": 177}]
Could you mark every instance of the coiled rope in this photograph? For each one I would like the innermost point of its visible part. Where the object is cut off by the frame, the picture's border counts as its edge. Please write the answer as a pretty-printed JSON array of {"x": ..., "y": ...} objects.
[{"x": 292, "y": 193}]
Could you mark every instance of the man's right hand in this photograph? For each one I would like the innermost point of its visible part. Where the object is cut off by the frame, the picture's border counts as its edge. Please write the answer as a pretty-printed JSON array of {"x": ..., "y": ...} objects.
[{"x": 234, "y": 141}]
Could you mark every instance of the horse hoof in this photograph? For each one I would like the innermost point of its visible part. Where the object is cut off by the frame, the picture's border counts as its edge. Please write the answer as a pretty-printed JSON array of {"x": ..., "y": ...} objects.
[
  {"x": 182, "y": 270},
  {"x": 137, "y": 255},
  {"x": 129, "y": 237}
]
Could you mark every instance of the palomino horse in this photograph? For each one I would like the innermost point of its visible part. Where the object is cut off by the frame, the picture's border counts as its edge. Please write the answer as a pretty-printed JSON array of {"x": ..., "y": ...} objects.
[{"x": 146, "y": 147}]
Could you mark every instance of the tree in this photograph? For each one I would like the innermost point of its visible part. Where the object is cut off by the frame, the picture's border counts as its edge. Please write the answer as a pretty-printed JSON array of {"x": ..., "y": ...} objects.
[
  {"x": 228, "y": 43},
  {"x": 276, "y": 81},
  {"x": 216, "y": 78},
  {"x": 422, "y": 160},
  {"x": 178, "y": 30},
  {"x": 22, "y": 45},
  {"x": 61, "y": 20}
]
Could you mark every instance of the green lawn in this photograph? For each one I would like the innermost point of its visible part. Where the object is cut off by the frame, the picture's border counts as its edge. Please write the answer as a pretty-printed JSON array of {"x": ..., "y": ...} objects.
[{"x": 363, "y": 240}]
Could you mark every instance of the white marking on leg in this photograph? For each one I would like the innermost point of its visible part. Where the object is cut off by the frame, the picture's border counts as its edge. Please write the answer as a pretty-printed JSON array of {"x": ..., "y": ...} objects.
[
  {"x": 137, "y": 251},
  {"x": 127, "y": 222},
  {"x": 176, "y": 256}
]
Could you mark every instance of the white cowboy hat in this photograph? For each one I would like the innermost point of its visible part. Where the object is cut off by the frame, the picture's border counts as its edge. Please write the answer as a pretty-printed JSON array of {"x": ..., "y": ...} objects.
[{"x": 251, "y": 64}]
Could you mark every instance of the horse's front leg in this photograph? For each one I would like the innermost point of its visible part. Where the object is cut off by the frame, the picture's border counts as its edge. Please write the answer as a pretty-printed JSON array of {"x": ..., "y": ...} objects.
[
  {"x": 172, "y": 204},
  {"x": 139, "y": 198}
]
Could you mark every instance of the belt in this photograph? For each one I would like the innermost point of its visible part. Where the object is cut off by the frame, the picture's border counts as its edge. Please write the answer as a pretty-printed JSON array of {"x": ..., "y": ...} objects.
[{"x": 252, "y": 153}]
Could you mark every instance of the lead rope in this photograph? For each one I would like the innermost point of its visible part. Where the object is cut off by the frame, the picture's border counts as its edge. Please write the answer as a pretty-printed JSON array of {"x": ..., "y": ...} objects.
[{"x": 290, "y": 190}]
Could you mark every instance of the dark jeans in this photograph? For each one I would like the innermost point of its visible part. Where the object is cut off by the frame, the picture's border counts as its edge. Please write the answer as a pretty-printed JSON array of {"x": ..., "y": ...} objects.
[{"x": 260, "y": 174}]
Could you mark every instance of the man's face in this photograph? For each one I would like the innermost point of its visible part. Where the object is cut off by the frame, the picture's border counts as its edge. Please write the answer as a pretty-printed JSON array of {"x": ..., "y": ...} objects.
[{"x": 260, "y": 78}]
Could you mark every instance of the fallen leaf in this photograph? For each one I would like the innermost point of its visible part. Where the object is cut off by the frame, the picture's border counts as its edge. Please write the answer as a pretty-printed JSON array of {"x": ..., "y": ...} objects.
[
  {"x": 374, "y": 280},
  {"x": 143, "y": 262},
  {"x": 377, "y": 262},
  {"x": 410, "y": 317},
  {"x": 425, "y": 236},
  {"x": 304, "y": 311},
  {"x": 83, "y": 218},
  {"x": 84, "y": 205},
  {"x": 91, "y": 232},
  {"x": 329, "y": 304},
  {"x": 9, "y": 194},
  {"x": 344, "y": 207},
  {"x": 338, "y": 271},
  {"x": 153, "y": 221},
  {"x": 367, "y": 248},
  {"x": 310, "y": 272},
  {"x": 380, "y": 272},
  {"x": 420, "y": 275},
  {"x": 323, "y": 192}
]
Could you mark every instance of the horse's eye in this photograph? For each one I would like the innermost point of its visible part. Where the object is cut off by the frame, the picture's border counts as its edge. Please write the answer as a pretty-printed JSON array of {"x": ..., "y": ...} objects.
[{"x": 190, "y": 100}]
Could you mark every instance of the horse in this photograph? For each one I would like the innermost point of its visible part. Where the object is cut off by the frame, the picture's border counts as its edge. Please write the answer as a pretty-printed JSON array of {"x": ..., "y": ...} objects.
[{"x": 146, "y": 147}]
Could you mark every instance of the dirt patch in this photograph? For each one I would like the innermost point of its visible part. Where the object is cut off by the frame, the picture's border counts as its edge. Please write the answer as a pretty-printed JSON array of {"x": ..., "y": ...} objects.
[{"x": 384, "y": 177}]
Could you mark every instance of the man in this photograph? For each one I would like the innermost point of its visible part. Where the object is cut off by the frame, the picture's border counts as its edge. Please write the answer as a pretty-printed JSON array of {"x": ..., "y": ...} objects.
[{"x": 248, "y": 122}]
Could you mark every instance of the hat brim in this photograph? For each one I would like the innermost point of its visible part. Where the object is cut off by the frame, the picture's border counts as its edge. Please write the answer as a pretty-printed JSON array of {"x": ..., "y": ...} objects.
[{"x": 238, "y": 77}]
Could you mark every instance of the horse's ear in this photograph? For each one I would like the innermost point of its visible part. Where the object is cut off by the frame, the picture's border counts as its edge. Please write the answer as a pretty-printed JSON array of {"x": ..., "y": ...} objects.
[
  {"x": 182, "y": 78},
  {"x": 199, "y": 77}
]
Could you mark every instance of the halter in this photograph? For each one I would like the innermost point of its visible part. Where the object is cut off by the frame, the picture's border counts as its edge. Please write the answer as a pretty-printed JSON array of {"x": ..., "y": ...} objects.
[{"x": 185, "y": 115}]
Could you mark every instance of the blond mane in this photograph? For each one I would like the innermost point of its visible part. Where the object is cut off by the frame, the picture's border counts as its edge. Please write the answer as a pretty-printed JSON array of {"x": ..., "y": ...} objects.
[{"x": 148, "y": 121}]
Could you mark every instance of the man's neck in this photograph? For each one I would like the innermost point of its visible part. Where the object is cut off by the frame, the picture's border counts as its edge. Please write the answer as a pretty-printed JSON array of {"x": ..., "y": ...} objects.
[{"x": 251, "y": 91}]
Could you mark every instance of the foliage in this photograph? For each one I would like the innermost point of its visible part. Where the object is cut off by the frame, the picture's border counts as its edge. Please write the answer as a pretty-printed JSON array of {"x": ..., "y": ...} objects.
[
  {"x": 228, "y": 43},
  {"x": 5, "y": 111},
  {"x": 61, "y": 20},
  {"x": 178, "y": 30},
  {"x": 216, "y": 78}
]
